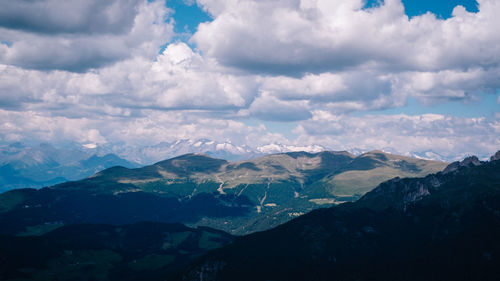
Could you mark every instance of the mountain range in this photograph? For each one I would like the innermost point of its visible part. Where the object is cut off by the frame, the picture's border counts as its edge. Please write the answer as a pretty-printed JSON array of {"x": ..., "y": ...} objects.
[
  {"x": 39, "y": 165},
  {"x": 23, "y": 166},
  {"x": 197, "y": 190},
  {"x": 149, "y": 154},
  {"x": 442, "y": 226}
]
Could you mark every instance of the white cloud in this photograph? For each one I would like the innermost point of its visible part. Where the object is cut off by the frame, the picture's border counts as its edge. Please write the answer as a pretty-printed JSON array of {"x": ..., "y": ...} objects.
[
  {"x": 318, "y": 35},
  {"x": 179, "y": 79},
  {"x": 372, "y": 58},
  {"x": 448, "y": 84},
  {"x": 32, "y": 125},
  {"x": 77, "y": 36},
  {"x": 339, "y": 92},
  {"x": 152, "y": 128},
  {"x": 450, "y": 136},
  {"x": 186, "y": 80},
  {"x": 267, "y": 107}
]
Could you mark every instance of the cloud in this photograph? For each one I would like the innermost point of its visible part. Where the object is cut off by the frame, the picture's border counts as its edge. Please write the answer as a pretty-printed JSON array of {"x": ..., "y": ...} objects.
[
  {"x": 267, "y": 107},
  {"x": 339, "y": 56},
  {"x": 150, "y": 129},
  {"x": 185, "y": 80},
  {"x": 69, "y": 16},
  {"x": 432, "y": 87},
  {"x": 340, "y": 92},
  {"x": 402, "y": 133},
  {"x": 297, "y": 37},
  {"x": 179, "y": 79},
  {"x": 26, "y": 125},
  {"x": 80, "y": 35}
]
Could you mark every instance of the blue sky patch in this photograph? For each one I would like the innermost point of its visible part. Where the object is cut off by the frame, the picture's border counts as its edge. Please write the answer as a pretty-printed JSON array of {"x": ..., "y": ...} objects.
[
  {"x": 441, "y": 8},
  {"x": 487, "y": 106},
  {"x": 187, "y": 16}
]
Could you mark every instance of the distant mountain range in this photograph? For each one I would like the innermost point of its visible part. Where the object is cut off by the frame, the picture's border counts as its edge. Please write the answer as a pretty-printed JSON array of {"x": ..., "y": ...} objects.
[
  {"x": 39, "y": 165},
  {"x": 23, "y": 166},
  {"x": 223, "y": 150},
  {"x": 195, "y": 189},
  {"x": 149, "y": 154},
  {"x": 445, "y": 226}
]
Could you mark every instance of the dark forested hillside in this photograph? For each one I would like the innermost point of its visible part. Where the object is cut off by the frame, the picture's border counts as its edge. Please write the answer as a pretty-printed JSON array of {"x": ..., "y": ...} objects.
[{"x": 141, "y": 251}]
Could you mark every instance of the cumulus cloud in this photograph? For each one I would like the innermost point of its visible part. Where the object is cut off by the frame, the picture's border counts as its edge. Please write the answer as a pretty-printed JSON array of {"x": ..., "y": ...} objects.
[
  {"x": 188, "y": 81},
  {"x": 340, "y": 92},
  {"x": 70, "y": 16},
  {"x": 316, "y": 36},
  {"x": 432, "y": 87},
  {"x": 340, "y": 56},
  {"x": 450, "y": 136},
  {"x": 267, "y": 107},
  {"x": 179, "y": 79},
  {"x": 150, "y": 129},
  {"x": 79, "y": 35},
  {"x": 21, "y": 126}
]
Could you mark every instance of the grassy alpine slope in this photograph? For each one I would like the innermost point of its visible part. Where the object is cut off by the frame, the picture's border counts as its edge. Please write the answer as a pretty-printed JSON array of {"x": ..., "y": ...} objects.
[{"x": 238, "y": 197}]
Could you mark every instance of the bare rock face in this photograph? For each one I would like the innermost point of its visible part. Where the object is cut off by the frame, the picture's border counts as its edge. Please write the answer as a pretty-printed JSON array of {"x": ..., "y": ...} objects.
[
  {"x": 495, "y": 157},
  {"x": 470, "y": 161},
  {"x": 467, "y": 162}
]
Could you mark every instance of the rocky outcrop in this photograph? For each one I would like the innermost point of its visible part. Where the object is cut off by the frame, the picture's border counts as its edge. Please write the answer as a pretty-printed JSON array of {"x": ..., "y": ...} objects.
[
  {"x": 495, "y": 157},
  {"x": 401, "y": 193},
  {"x": 467, "y": 162}
]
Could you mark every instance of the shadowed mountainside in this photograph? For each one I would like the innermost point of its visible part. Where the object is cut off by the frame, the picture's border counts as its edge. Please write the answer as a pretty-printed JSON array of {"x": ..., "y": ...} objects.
[{"x": 141, "y": 251}]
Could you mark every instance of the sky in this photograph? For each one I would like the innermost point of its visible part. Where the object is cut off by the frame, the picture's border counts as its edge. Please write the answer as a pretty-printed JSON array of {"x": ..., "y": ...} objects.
[{"x": 403, "y": 76}]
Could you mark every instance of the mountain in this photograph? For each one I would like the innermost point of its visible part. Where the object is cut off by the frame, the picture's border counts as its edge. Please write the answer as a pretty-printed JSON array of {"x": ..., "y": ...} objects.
[
  {"x": 445, "y": 226},
  {"x": 23, "y": 166},
  {"x": 154, "y": 153},
  {"x": 224, "y": 150},
  {"x": 148, "y": 154},
  {"x": 237, "y": 197},
  {"x": 141, "y": 251}
]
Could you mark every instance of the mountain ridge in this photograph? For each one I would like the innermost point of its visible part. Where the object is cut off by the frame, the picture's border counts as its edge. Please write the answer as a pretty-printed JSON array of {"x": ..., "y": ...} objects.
[
  {"x": 444, "y": 226},
  {"x": 195, "y": 189}
]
